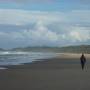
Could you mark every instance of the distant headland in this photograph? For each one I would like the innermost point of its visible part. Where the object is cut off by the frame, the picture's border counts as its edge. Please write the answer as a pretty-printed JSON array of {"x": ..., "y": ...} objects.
[{"x": 65, "y": 49}]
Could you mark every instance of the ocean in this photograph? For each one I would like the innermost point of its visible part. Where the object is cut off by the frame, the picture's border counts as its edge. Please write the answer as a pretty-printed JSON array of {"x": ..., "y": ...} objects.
[{"x": 18, "y": 58}]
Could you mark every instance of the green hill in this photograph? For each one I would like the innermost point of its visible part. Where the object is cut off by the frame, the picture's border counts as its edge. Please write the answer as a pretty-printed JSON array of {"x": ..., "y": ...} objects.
[
  {"x": 69, "y": 49},
  {"x": 76, "y": 49}
]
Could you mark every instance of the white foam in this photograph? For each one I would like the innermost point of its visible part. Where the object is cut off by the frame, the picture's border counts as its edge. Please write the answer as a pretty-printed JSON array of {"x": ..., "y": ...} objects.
[
  {"x": 2, "y": 68},
  {"x": 12, "y": 57},
  {"x": 12, "y": 52}
]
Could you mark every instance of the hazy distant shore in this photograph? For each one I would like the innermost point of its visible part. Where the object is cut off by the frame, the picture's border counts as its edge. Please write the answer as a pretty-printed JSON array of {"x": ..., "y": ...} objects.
[{"x": 60, "y": 73}]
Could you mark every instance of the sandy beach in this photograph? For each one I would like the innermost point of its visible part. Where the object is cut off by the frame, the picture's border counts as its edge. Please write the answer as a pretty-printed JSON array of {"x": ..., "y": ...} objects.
[{"x": 60, "y": 73}]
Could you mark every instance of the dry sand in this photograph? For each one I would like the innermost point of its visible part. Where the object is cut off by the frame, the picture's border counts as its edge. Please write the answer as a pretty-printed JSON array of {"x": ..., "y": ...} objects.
[{"x": 60, "y": 73}]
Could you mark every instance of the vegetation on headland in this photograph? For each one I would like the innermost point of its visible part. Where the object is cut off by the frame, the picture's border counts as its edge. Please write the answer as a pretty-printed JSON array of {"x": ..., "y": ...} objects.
[{"x": 66, "y": 49}]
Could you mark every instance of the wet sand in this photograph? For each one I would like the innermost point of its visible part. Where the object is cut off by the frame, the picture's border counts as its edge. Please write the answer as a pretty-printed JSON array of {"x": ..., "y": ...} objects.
[{"x": 60, "y": 73}]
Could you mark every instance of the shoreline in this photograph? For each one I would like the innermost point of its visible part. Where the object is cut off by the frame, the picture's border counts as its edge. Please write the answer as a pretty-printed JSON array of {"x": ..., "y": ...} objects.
[{"x": 63, "y": 57}]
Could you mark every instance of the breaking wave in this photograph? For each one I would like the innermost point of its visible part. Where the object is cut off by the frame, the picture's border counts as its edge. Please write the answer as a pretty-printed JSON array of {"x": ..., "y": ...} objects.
[{"x": 17, "y": 58}]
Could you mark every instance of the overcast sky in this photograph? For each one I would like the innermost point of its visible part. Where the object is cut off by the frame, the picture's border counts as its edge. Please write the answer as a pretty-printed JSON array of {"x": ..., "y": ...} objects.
[{"x": 44, "y": 23}]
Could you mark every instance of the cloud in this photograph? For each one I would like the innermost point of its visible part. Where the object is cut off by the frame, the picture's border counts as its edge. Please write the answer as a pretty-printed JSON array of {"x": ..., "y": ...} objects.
[
  {"x": 44, "y": 28},
  {"x": 79, "y": 34},
  {"x": 41, "y": 35}
]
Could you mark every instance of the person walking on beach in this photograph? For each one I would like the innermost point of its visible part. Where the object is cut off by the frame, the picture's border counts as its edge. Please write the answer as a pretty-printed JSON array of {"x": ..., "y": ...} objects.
[{"x": 83, "y": 61}]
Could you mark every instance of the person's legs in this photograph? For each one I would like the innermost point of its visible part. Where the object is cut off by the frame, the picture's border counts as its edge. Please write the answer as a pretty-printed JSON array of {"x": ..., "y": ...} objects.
[{"x": 82, "y": 66}]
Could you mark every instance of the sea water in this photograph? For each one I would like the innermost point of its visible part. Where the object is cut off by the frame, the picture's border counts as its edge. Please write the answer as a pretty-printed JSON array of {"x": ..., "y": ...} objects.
[{"x": 17, "y": 58}]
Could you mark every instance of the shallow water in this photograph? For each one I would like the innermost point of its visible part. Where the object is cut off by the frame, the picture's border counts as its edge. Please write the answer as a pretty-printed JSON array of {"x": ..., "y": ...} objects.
[{"x": 17, "y": 58}]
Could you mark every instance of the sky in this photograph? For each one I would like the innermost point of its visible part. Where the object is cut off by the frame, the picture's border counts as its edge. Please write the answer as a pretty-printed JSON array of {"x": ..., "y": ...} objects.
[{"x": 44, "y": 23}]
